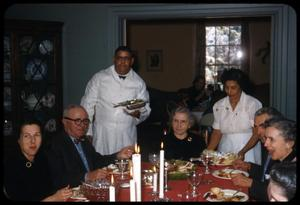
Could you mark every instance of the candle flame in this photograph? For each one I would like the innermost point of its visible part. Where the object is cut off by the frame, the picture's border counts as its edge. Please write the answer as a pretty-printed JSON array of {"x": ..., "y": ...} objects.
[
  {"x": 138, "y": 150},
  {"x": 154, "y": 169},
  {"x": 161, "y": 145},
  {"x": 112, "y": 179},
  {"x": 135, "y": 148}
]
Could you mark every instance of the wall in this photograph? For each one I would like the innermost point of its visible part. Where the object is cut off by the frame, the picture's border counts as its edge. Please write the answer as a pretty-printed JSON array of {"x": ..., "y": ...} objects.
[
  {"x": 177, "y": 41},
  {"x": 259, "y": 35}
]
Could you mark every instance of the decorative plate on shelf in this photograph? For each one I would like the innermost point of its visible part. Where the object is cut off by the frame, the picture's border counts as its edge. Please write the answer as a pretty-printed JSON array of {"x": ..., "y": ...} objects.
[
  {"x": 35, "y": 69},
  {"x": 46, "y": 46}
]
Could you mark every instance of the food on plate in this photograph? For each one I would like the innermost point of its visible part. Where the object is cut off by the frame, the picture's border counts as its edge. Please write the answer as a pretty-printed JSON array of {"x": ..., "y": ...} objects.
[
  {"x": 229, "y": 173},
  {"x": 218, "y": 194},
  {"x": 219, "y": 158},
  {"x": 178, "y": 169}
]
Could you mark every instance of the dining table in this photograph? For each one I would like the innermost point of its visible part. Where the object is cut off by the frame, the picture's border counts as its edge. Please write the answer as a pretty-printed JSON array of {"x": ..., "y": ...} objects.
[{"x": 177, "y": 187}]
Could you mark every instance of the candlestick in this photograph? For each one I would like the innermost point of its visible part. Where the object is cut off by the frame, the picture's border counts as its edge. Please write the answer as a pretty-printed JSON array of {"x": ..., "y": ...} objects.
[
  {"x": 112, "y": 192},
  {"x": 161, "y": 171},
  {"x": 136, "y": 160}
]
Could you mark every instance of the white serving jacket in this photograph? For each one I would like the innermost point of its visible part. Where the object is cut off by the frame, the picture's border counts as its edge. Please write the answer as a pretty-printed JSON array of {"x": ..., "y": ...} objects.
[
  {"x": 236, "y": 126},
  {"x": 112, "y": 129}
]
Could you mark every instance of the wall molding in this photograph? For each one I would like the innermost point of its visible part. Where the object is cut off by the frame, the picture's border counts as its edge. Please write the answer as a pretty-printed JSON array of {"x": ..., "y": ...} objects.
[{"x": 283, "y": 30}]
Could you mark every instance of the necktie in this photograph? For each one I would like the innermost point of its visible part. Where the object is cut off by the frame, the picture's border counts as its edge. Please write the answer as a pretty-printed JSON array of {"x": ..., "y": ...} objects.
[
  {"x": 82, "y": 155},
  {"x": 76, "y": 141},
  {"x": 265, "y": 167},
  {"x": 122, "y": 77}
]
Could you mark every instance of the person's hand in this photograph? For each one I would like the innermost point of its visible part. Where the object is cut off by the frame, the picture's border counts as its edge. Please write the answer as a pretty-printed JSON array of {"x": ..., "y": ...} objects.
[
  {"x": 241, "y": 165},
  {"x": 241, "y": 180},
  {"x": 135, "y": 113},
  {"x": 96, "y": 174},
  {"x": 60, "y": 195},
  {"x": 241, "y": 155},
  {"x": 125, "y": 152}
]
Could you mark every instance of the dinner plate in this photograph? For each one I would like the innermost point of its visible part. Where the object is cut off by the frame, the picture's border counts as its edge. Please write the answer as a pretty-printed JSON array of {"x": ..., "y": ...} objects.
[
  {"x": 225, "y": 173},
  {"x": 224, "y": 159},
  {"x": 77, "y": 196},
  {"x": 228, "y": 193}
]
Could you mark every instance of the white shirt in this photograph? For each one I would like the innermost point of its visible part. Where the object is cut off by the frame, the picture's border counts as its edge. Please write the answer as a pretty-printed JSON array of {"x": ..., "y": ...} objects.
[
  {"x": 112, "y": 128},
  {"x": 236, "y": 125}
]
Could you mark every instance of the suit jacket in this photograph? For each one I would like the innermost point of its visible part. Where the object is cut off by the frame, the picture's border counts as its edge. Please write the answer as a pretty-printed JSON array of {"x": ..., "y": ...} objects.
[
  {"x": 258, "y": 189},
  {"x": 66, "y": 165}
]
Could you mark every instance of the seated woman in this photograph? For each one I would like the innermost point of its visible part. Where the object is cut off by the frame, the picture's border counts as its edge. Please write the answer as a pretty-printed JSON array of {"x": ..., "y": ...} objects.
[
  {"x": 26, "y": 175},
  {"x": 195, "y": 94},
  {"x": 282, "y": 185},
  {"x": 180, "y": 143},
  {"x": 280, "y": 142}
]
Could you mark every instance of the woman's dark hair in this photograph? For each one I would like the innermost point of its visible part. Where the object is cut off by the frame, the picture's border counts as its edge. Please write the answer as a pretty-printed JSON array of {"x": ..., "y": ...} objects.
[
  {"x": 240, "y": 77},
  {"x": 29, "y": 121},
  {"x": 284, "y": 175},
  {"x": 197, "y": 78}
]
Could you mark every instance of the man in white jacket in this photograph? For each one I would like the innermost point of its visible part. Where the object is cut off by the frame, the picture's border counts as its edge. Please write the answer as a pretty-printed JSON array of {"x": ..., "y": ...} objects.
[{"x": 115, "y": 127}]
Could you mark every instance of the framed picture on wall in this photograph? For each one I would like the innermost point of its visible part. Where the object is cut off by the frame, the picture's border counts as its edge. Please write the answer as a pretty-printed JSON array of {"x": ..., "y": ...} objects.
[{"x": 154, "y": 60}]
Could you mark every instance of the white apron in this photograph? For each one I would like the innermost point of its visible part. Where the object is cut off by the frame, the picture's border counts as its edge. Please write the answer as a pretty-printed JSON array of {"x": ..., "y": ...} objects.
[{"x": 234, "y": 142}]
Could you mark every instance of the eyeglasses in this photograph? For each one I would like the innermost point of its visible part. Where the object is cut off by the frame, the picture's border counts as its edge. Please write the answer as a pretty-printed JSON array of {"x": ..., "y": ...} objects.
[{"x": 78, "y": 121}]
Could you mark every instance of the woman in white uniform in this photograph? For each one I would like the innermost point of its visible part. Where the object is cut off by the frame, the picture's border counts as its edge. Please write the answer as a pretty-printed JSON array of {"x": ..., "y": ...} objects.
[{"x": 234, "y": 117}]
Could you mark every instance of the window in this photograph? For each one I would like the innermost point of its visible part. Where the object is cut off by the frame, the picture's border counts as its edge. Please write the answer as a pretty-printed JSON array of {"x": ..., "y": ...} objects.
[{"x": 223, "y": 50}]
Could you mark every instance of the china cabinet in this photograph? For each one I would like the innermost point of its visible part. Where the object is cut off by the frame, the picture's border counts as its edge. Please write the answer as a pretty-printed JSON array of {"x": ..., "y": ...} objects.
[{"x": 32, "y": 75}]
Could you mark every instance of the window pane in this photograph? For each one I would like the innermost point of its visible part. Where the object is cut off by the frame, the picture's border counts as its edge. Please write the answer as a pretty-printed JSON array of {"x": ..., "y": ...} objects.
[
  {"x": 222, "y": 35},
  {"x": 210, "y": 35},
  {"x": 235, "y": 35},
  {"x": 210, "y": 55},
  {"x": 234, "y": 56},
  {"x": 222, "y": 54},
  {"x": 209, "y": 74}
]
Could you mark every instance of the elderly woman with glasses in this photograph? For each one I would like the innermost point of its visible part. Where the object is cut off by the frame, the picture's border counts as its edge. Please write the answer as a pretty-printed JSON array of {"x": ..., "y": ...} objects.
[{"x": 26, "y": 171}]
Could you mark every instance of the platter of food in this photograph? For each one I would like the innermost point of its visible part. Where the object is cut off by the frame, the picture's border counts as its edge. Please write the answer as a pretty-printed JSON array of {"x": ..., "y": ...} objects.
[
  {"x": 178, "y": 169},
  {"x": 221, "y": 158},
  {"x": 217, "y": 194},
  {"x": 228, "y": 173}
]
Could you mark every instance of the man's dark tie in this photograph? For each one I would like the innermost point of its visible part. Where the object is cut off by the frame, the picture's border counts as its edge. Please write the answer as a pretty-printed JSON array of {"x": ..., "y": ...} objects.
[
  {"x": 122, "y": 77},
  {"x": 76, "y": 141}
]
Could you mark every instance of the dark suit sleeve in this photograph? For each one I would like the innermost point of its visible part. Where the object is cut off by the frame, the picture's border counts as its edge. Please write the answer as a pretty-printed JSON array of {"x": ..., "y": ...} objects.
[
  {"x": 98, "y": 160},
  {"x": 258, "y": 190},
  {"x": 65, "y": 169},
  {"x": 256, "y": 171}
]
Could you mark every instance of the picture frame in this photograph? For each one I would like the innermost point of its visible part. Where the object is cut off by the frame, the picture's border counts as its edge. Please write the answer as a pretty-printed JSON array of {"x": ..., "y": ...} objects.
[{"x": 154, "y": 60}]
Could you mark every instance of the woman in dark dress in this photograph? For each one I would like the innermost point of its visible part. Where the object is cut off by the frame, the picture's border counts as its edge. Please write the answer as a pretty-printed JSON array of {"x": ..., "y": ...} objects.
[
  {"x": 180, "y": 143},
  {"x": 26, "y": 175}
]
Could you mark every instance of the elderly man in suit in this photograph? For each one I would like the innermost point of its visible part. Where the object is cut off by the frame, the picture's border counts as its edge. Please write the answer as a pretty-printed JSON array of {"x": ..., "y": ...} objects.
[{"x": 72, "y": 157}]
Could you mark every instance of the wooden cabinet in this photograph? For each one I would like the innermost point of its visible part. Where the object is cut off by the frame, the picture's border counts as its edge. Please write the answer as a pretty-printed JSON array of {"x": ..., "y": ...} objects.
[{"x": 32, "y": 75}]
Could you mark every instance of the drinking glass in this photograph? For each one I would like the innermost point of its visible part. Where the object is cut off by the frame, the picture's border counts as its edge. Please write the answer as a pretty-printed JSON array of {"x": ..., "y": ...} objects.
[
  {"x": 206, "y": 159},
  {"x": 194, "y": 178},
  {"x": 154, "y": 159},
  {"x": 122, "y": 166}
]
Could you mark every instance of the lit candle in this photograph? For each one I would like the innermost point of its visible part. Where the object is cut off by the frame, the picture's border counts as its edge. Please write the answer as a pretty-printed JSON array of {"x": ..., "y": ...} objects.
[
  {"x": 132, "y": 187},
  {"x": 161, "y": 171},
  {"x": 112, "y": 193},
  {"x": 154, "y": 180},
  {"x": 136, "y": 161}
]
